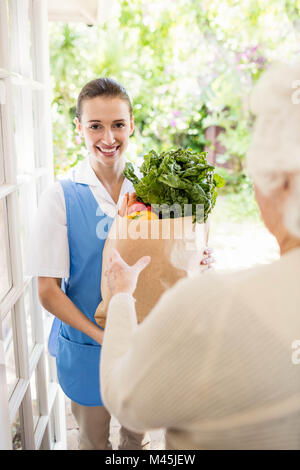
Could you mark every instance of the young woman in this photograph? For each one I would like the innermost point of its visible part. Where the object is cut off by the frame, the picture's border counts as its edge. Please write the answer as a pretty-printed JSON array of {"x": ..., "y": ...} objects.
[{"x": 66, "y": 254}]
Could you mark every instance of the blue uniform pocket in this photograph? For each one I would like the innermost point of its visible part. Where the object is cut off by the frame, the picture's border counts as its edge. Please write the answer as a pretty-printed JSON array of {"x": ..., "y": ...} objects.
[{"x": 78, "y": 371}]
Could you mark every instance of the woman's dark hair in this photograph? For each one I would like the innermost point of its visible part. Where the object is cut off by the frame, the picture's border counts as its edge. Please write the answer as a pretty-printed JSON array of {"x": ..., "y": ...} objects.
[{"x": 106, "y": 87}]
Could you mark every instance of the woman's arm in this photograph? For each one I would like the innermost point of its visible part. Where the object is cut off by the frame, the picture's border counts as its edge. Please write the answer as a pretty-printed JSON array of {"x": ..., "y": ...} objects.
[
  {"x": 56, "y": 302},
  {"x": 158, "y": 374},
  {"x": 51, "y": 264},
  {"x": 152, "y": 374}
]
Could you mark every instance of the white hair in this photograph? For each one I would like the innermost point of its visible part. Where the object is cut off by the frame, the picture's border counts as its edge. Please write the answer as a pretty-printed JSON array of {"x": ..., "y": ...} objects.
[{"x": 275, "y": 147}]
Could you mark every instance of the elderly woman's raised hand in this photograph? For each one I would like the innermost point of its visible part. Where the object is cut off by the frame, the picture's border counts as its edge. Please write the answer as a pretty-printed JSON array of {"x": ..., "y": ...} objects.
[
  {"x": 208, "y": 260},
  {"x": 120, "y": 276}
]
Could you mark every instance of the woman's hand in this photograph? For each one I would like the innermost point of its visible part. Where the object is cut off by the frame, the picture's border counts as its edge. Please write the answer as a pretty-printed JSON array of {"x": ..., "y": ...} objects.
[
  {"x": 207, "y": 260},
  {"x": 120, "y": 276}
]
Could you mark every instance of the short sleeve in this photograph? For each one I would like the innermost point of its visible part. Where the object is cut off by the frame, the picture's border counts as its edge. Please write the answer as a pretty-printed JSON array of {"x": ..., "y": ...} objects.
[{"x": 47, "y": 251}]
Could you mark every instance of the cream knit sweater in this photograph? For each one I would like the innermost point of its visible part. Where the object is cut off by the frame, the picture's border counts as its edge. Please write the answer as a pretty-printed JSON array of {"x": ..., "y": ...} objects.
[{"x": 212, "y": 363}]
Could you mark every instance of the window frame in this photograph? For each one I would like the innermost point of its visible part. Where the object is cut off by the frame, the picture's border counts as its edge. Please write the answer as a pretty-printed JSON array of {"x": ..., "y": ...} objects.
[{"x": 17, "y": 71}]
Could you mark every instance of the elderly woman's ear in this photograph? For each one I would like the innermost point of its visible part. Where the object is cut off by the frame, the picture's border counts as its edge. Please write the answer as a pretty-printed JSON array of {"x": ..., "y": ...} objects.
[{"x": 289, "y": 182}]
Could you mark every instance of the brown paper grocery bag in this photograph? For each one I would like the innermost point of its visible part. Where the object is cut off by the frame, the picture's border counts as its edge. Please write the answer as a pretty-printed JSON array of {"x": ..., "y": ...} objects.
[{"x": 176, "y": 249}]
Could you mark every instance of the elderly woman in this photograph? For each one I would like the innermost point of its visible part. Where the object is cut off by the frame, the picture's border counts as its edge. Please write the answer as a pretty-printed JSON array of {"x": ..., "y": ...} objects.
[{"x": 213, "y": 363}]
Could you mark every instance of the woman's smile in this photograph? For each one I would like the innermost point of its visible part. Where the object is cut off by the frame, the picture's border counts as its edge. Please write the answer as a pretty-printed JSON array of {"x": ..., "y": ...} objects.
[{"x": 108, "y": 151}]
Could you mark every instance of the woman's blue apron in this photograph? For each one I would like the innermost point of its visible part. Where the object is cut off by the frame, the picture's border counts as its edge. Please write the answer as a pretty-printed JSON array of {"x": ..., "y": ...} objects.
[{"x": 78, "y": 355}]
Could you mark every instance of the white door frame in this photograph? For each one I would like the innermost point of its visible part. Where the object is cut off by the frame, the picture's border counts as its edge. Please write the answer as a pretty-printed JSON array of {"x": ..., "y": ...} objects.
[{"x": 30, "y": 392}]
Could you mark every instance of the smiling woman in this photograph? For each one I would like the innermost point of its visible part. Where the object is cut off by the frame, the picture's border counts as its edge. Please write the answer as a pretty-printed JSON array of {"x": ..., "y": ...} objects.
[
  {"x": 104, "y": 119},
  {"x": 105, "y": 136},
  {"x": 69, "y": 271}
]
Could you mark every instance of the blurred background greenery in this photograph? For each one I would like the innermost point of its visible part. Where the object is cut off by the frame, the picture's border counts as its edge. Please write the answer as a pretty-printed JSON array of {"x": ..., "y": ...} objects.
[{"x": 189, "y": 67}]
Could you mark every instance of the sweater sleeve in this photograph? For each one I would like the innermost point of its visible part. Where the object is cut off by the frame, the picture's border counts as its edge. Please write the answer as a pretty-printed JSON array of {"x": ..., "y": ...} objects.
[{"x": 148, "y": 377}]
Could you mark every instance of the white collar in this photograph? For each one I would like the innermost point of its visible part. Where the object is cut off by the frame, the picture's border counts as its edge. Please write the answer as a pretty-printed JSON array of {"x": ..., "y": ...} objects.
[{"x": 83, "y": 173}]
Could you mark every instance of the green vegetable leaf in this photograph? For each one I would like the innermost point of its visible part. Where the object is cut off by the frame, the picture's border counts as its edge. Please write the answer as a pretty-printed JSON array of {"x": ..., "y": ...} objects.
[
  {"x": 177, "y": 177},
  {"x": 219, "y": 181},
  {"x": 129, "y": 173}
]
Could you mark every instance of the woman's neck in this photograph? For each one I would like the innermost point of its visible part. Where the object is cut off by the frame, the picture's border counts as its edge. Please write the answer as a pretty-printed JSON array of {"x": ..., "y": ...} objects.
[
  {"x": 108, "y": 175},
  {"x": 111, "y": 177}
]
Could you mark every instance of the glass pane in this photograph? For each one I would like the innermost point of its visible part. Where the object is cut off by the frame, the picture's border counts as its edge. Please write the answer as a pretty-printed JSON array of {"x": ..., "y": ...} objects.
[
  {"x": 4, "y": 34},
  {"x": 34, "y": 399},
  {"x": 2, "y": 179},
  {"x": 48, "y": 319},
  {"x": 23, "y": 234},
  {"x": 30, "y": 36},
  {"x": 39, "y": 123},
  {"x": 28, "y": 303},
  {"x": 20, "y": 46},
  {"x": 18, "y": 133},
  {"x": 16, "y": 433},
  {"x": 23, "y": 128},
  {"x": 10, "y": 362},
  {"x": 27, "y": 205},
  {"x": 52, "y": 428},
  {"x": 47, "y": 370},
  {"x": 42, "y": 184},
  {"x": 5, "y": 280}
]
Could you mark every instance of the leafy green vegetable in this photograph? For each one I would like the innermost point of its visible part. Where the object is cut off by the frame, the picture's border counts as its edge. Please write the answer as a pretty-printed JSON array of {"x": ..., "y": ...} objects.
[{"x": 177, "y": 177}]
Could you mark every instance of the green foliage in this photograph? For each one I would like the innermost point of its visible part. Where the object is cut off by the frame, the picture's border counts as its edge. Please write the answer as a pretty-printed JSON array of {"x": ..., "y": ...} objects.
[
  {"x": 185, "y": 68},
  {"x": 175, "y": 179}
]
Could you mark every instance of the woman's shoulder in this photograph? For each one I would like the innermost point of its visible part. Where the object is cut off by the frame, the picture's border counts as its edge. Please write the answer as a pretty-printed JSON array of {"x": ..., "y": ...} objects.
[
  {"x": 52, "y": 198},
  {"x": 269, "y": 283},
  {"x": 215, "y": 286},
  {"x": 53, "y": 189},
  {"x": 280, "y": 271}
]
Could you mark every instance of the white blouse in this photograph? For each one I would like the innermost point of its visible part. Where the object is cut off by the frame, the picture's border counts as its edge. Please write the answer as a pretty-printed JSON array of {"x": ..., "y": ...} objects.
[
  {"x": 48, "y": 247},
  {"x": 213, "y": 362}
]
